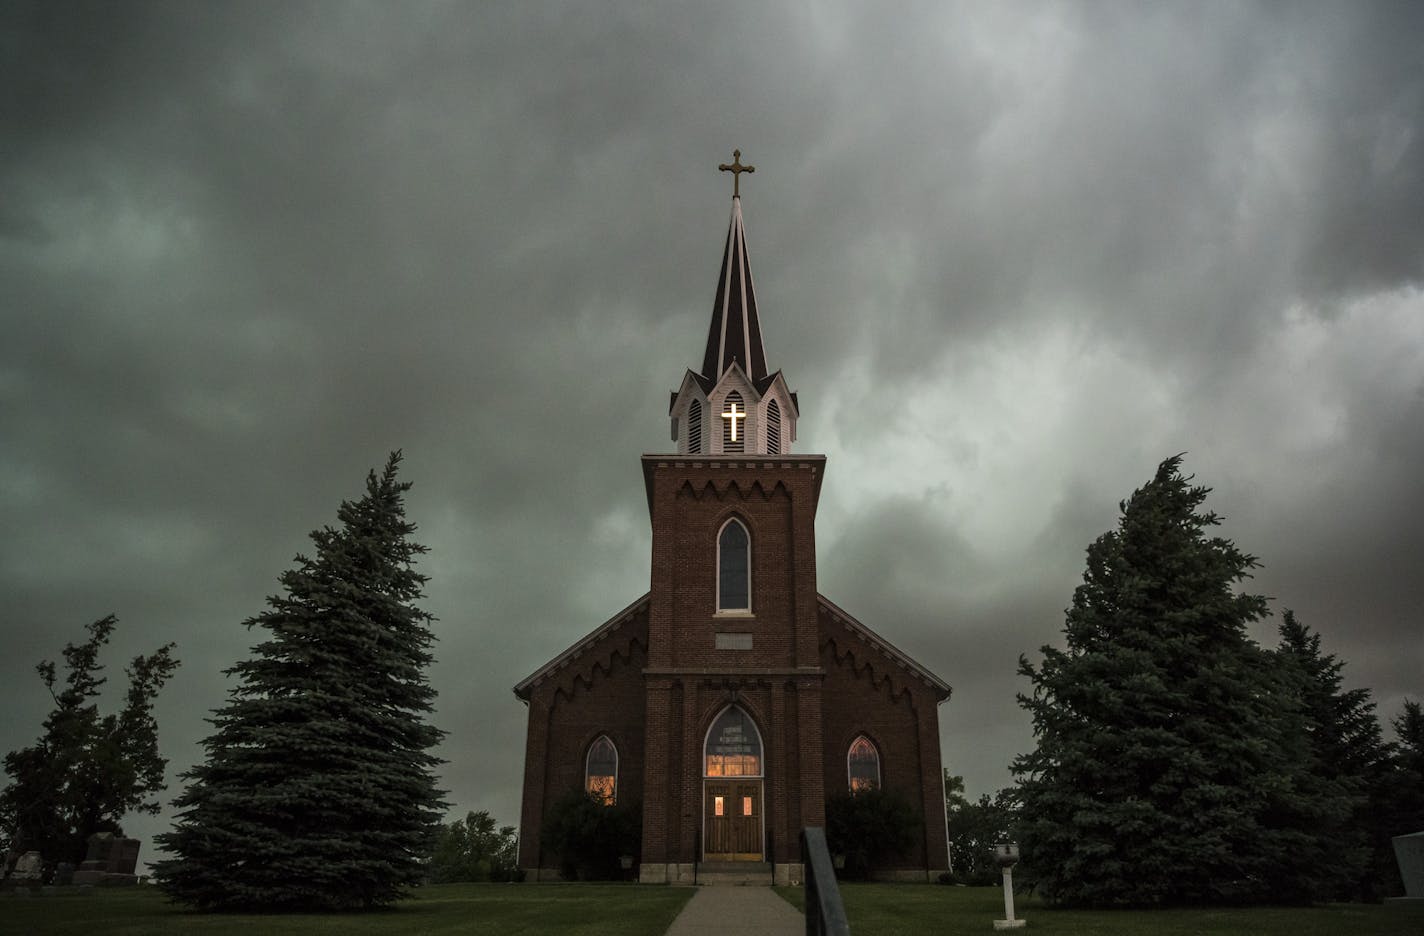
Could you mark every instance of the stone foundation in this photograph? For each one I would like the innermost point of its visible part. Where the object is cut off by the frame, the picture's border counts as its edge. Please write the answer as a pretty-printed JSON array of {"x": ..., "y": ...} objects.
[{"x": 670, "y": 873}]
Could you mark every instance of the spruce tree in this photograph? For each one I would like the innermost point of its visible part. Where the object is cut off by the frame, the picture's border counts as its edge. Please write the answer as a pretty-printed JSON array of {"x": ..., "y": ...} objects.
[
  {"x": 1345, "y": 755},
  {"x": 1167, "y": 765},
  {"x": 1400, "y": 795},
  {"x": 317, "y": 792}
]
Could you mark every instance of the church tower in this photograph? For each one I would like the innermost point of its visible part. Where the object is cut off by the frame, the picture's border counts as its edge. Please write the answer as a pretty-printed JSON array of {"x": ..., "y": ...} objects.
[{"x": 732, "y": 699}]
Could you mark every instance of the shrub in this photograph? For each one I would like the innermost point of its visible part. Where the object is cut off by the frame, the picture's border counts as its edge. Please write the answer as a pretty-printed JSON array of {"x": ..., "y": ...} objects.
[
  {"x": 588, "y": 837},
  {"x": 870, "y": 828}
]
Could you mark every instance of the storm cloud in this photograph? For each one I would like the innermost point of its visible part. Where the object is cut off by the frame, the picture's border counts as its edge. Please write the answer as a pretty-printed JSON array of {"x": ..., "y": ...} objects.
[{"x": 1010, "y": 256}]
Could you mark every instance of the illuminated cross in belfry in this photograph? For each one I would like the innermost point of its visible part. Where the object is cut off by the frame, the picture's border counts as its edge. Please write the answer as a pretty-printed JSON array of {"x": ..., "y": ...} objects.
[
  {"x": 733, "y": 415},
  {"x": 736, "y": 169}
]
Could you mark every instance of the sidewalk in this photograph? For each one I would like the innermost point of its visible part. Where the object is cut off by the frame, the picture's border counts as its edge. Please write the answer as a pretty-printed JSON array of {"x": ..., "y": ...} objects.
[{"x": 718, "y": 911}]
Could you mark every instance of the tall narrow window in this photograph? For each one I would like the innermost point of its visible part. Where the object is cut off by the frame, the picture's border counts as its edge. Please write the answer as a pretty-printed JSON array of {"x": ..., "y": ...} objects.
[
  {"x": 734, "y": 423},
  {"x": 733, "y": 568},
  {"x": 601, "y": 772},
  {"x": 694, "y": 428},
  {"x": 773, "y": 428},
  {"x": 863, "y": 765}
]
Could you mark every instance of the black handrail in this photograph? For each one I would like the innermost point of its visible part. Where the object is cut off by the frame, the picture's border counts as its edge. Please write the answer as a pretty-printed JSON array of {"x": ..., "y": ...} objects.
[{"x": 825, "y": 914}]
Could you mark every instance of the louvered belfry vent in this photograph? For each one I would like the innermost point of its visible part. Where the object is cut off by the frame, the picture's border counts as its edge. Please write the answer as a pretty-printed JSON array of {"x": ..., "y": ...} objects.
[
  {"x": 773, "y": 428},
  {"x": 734, "y": 423},
  {"x": 694, "y": 428}
]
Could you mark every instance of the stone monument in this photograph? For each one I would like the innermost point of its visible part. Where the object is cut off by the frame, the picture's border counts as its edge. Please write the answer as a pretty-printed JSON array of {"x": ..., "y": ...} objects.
[
  {"x": 1409, "y": 852},
  {"x": 110, "y": 860},
  {"x": 27, "y": 873}
]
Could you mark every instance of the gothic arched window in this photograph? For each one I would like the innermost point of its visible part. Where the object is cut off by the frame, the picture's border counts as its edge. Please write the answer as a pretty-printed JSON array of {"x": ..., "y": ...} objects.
[
  {"x": 694, "y": 428},
  {"x": 773, "y": 428},
  {"x": 734, "y": 577},
  {"x": 601, "y": 770},
  {"x": 734, "y": 423},
  {"x": 733, "y": 746},
  {"x": 863, "y": 765}
]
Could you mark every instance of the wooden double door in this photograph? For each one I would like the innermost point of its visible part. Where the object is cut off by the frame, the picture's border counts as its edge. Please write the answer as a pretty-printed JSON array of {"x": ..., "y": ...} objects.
[{"x": 732, "y": 820}]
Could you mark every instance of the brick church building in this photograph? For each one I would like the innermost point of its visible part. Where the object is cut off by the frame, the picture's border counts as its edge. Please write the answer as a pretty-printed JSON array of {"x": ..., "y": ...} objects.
[{"x": 732, "y": 699}]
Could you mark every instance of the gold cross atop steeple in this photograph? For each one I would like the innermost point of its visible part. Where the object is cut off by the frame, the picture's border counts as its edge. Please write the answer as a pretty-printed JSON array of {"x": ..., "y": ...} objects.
[{"x": 736, "y": 169}]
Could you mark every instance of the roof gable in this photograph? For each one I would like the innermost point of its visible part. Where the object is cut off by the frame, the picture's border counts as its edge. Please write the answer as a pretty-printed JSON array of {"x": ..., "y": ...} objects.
[{"x": 885, "y": 648}]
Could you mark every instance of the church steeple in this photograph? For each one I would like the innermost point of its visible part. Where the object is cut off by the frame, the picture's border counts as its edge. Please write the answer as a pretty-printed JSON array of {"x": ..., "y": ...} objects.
[
  {"x": 735, "y": 334},
  {"x": 733, "y": 405}
]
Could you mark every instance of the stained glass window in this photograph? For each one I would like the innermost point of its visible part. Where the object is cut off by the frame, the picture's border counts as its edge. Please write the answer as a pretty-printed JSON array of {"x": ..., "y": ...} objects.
[
  {"x": 733, "y": 746},
  {"x": 733, "y": 568},
  {"x": 863, "y": 765},
  {"x": 601, "y": 774}
]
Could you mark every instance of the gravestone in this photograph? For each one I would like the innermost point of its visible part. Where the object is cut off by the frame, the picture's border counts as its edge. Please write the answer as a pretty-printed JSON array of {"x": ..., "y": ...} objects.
[
  {"x": 110, "y": 860},
  {"x": 28, "y": 871},
  {"x": 1409, "y": 852}
]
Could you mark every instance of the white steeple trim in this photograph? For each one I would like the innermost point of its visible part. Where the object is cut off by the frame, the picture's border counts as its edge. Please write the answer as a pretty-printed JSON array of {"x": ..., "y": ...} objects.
[{"x": 737, "y": 259}]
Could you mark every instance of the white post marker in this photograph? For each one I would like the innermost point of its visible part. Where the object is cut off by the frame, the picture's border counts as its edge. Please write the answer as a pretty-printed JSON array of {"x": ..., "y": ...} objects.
[{"x": 1007, "y": 855}]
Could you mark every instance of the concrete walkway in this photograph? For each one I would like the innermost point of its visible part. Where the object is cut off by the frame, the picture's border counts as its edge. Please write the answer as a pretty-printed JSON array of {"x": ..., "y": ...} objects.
[{"x": 719, "y": 911}]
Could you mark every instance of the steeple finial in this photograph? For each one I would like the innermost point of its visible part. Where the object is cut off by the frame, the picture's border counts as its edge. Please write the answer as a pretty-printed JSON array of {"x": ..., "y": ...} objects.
[{"x": 736, "y": 169}]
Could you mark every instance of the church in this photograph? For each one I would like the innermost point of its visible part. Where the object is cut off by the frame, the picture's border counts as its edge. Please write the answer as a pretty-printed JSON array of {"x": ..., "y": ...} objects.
[{"x": 732, "y": 699}]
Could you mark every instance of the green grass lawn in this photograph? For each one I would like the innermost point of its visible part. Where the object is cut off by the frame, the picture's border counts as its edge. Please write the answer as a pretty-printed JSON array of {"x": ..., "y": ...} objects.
[
  {"x": 919, "y": 909},
  {"x": 477, "y": 909},
  {"x": 629, "y": 910}
]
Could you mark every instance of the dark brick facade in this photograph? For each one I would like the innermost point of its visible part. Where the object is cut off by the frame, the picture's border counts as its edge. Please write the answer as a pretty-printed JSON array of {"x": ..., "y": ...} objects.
[{"x": 653, "y": 679}]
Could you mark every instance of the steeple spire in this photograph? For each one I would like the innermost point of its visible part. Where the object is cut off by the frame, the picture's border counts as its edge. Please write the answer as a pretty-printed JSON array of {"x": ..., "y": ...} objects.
[{"x": 735, "y": 334}]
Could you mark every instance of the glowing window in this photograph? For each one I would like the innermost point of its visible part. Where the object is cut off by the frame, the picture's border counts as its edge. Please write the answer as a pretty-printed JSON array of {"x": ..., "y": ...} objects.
[
  {"x": 733, "y": 568},
  {"x": 746, "y": 805},
  {"x": 717, "y": 805},
  {"x": 734, "y": 429},
  {"x": 863, "y": 765},
  {"x": 733, "y": 746},
  {"x": 601, "y": 772}
]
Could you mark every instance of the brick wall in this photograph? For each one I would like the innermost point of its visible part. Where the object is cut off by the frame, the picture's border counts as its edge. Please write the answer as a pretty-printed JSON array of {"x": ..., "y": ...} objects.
[{"x": 655, "y": 685}]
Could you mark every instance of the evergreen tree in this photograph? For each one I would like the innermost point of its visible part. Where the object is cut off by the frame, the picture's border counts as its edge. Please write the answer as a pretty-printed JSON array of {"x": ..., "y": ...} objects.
[
  {"x": 88, "y": 770},
  {"x": 1169, "y": 743},
  {"x": 1400, "y": 795},
  {"x": 317, "y": 792},
  {"x": 1346, "y": 754}
]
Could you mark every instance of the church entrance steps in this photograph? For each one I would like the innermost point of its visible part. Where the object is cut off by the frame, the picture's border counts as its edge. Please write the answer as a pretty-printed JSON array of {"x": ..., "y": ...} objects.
[{"x": 732, "y": 873}]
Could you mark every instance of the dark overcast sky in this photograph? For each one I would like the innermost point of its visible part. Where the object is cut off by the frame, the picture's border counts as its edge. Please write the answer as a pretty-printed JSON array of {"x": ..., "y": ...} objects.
[{"x": 1010, "y": 255}]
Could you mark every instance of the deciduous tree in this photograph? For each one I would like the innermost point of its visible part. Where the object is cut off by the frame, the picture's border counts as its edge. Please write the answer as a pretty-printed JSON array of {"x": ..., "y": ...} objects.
[
  {"x": 474, "y": 849},
  {"x": 88, "y": 770}
]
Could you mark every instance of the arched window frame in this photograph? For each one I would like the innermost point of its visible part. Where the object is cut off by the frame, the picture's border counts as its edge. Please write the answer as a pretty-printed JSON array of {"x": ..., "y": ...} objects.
[
  {"x": 694, "y": 427},
  {"x": 773, "y": 427},
  {"x": 761, "y": 744},
  {"x": 610, "y": 796},
  {"x": 727, "y": 444},
  {"x": 746, "y": 608},
  {"x": 850, "y": 776}
]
